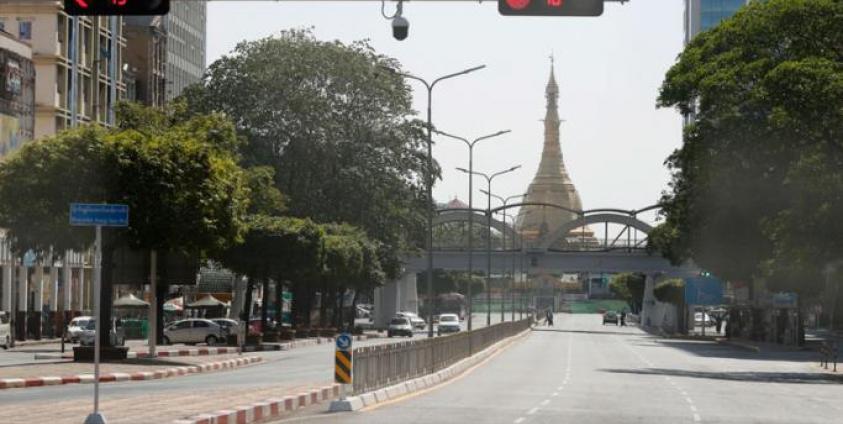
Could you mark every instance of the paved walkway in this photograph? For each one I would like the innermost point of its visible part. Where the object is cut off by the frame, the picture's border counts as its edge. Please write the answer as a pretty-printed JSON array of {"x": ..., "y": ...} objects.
[{"x": 154, "y": 409}]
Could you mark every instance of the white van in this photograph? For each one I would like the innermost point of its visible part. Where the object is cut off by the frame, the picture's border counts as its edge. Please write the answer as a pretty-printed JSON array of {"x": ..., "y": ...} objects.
[{"x": 5, "y": 330}]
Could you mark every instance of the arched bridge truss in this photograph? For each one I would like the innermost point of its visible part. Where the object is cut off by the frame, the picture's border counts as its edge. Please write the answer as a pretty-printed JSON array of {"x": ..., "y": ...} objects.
[{"x": 622, "y": 229}]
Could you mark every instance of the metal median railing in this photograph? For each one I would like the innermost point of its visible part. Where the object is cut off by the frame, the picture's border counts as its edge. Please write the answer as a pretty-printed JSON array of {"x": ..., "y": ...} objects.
[{"x": 374, "y": 367}]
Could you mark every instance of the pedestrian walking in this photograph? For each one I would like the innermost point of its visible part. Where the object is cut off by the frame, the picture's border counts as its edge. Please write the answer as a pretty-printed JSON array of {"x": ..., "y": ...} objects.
[
  {"x": 623, "y": 318},
  {"x": 549, "y": 318}
]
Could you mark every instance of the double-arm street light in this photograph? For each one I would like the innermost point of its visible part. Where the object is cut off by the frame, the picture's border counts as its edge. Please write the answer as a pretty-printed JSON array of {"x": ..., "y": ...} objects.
[
  {"x": 470, "y": 145},
  {"x": 429, "y": 87},
  {"x": 489, "y": 179},
  {"x": 505, "y": 215}
]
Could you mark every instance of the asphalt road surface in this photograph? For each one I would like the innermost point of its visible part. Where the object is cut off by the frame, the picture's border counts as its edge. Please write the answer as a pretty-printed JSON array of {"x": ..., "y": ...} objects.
[{"x": 583, "y": 372}]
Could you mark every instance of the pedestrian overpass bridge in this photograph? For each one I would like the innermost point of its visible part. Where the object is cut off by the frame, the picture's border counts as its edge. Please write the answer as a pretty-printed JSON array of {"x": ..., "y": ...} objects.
[{"x": 622, "y": 248}]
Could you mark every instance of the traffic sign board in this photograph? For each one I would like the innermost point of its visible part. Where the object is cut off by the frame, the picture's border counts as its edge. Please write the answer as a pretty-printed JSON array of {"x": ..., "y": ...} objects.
[
  {"x": 344, "y": 341},
  {"x": 342, "y": 367},
  {"x": 99, "y": 214},
  {"x": 703, "y": 291}
]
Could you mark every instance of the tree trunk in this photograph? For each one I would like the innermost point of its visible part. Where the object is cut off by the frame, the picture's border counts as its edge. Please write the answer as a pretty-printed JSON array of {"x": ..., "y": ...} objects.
[
  {"x": 353, "y": 310},
  {"x": 323, "y": 304},
  {"x": 340, "y": 300},
  {"x": 265, "y": 304},
  {"x": 106, "y": 293},
  {"x": 246, "y": 313}
]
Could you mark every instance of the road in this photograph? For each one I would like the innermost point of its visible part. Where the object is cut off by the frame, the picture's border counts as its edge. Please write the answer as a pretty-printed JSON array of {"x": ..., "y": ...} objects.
[{"x": 582, "y": 372}]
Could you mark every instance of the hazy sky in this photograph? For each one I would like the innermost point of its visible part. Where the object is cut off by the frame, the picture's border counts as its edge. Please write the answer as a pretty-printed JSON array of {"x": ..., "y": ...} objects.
[{"x": 614, "y": 140}]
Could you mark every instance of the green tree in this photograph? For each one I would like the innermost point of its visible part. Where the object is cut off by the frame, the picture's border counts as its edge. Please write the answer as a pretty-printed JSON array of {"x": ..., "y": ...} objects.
[
  {"x": 336, "y": 128},
  {"x": 629, "y": 287},
  {"x": 185, "y": 191},
  {"x": 755, "y": 186},
  {"x": 281, "y": 248}
]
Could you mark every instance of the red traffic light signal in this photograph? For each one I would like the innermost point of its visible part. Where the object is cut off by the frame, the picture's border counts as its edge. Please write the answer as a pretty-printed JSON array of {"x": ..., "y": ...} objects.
[
  {"x": 550, "y": 7},
  {"x": 116, "y": 7}
]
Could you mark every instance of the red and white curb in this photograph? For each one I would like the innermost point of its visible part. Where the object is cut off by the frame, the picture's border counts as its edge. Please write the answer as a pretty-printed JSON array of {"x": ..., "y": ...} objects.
[
  {"x": 267, "y": 409},
  {"x": 11, "y": 383}
]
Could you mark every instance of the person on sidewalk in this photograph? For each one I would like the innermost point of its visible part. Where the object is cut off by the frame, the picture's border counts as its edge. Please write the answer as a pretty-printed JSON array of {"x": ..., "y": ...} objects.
[
  {"x": 549, "y": 318},
  {"x": 623, "y": 318}
]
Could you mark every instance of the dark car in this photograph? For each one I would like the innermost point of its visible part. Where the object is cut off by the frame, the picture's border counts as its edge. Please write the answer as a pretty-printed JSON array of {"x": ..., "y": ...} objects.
[{"x": 610, "y": 317}]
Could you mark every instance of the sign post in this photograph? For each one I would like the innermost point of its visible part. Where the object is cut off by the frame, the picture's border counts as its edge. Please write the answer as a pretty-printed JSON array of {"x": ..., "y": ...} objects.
[
  {"x": 342, "y": 364},
  {"x": 343, "y": 374},
  {"x": 98, "y": 216}
]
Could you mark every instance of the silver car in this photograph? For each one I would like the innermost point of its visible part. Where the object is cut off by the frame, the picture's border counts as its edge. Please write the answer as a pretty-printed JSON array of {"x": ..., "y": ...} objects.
[
  {"x": 88, "y": 334},
  {"x": 194, "y": 330},
  {"x": 400, "y": 326}
]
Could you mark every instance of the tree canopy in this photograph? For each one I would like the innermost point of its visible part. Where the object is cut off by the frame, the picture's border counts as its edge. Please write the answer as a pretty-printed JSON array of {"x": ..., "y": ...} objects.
[
  {"x": 629, "y": 287},
  {"x": 183, "y": 186},
  {"x": 756, "y": 186},
  {"x": 337, "y": 129}
]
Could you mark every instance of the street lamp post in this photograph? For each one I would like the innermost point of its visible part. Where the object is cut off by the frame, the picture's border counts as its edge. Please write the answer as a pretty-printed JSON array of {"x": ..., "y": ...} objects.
[
  {"x": 489, "y": 179},
  {"x": 429, "y": 182},
  {"x": 470, "y": 145},
  {"x": 503, "y": 212}
]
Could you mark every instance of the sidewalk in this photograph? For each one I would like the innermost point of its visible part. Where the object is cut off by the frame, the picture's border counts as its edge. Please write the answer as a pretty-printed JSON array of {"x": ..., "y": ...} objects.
[
  {"x": 35, "y": 375},
  {"x": 157, "y": 408}
]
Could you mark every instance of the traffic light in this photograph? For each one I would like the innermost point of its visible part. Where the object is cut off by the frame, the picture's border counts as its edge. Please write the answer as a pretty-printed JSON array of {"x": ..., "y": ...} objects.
[
  {"x": 550, "y": 7},
  {"x": 116, "y": 7}
]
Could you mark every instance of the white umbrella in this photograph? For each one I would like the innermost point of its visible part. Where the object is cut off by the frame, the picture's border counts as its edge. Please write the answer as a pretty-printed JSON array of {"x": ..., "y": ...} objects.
[{"x": 130, "y": 301}]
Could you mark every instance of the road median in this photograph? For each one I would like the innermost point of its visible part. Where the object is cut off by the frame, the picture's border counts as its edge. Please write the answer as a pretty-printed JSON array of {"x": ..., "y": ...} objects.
[{"x": 139, "y": 370}]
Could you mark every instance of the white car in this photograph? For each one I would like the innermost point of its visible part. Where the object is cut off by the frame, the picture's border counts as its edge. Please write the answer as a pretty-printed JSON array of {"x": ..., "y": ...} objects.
[
  {"x": 5, "y": 330},
  {"x": 415, "y": 320},
  {"x": 194, "y": 330},
  {"x": 400, "y": 326},
  {"x": 76, "y": 327},
  {"x": 448, "y": 323}
]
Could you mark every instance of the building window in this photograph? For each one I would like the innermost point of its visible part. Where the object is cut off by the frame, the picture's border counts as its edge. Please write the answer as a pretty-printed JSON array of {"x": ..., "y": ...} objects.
[{"x": 25, "y": 30}]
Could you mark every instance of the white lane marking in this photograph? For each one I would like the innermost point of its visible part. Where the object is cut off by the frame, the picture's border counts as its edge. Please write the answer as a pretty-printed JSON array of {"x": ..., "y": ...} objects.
[
  {"x": 687, "y": 399},
  {"x": 519, "y": 420},
  {"x": 555, "y": 394},
  {"x": 545, "y": 402},
  {"x": 532, "y": 411},
  {"x": 684, "y": 393},
  {"x": 561, "y": 387},
  {"x": 693, "y": 408},
  {"x": 697, "y": 418}
]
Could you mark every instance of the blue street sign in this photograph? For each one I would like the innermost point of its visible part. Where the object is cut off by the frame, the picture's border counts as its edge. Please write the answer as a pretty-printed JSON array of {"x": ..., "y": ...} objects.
[
  {"x": 344, "y": 341},
  {"x": 706, "y": 291},
  {"x": 99, "y": 214}
]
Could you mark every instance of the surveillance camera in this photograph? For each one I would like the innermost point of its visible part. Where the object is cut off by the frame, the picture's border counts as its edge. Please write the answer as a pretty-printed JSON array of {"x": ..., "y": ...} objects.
[{"x": 400, "y": 27}]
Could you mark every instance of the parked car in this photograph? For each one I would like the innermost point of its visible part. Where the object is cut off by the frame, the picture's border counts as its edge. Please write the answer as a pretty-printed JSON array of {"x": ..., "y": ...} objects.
[
  {"x": 415, "y": 320},
  {"x": 5, "y": 330},
  {"x": 194, "y": 330},
  {"x": 448, "y": 323},
  {"x": 76, "y": 327},
  {"x": 400, "y": 326},
  {"x": 229, "y": 325},
  {"x": 610, "y": 317},
  {"x": 116, "y": 333}
]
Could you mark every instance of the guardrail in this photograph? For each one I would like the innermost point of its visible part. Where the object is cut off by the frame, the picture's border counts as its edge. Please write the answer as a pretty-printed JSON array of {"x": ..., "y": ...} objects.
[
  {"x": 828, "y": 353},
  {"x": 379, "y": 366}
]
